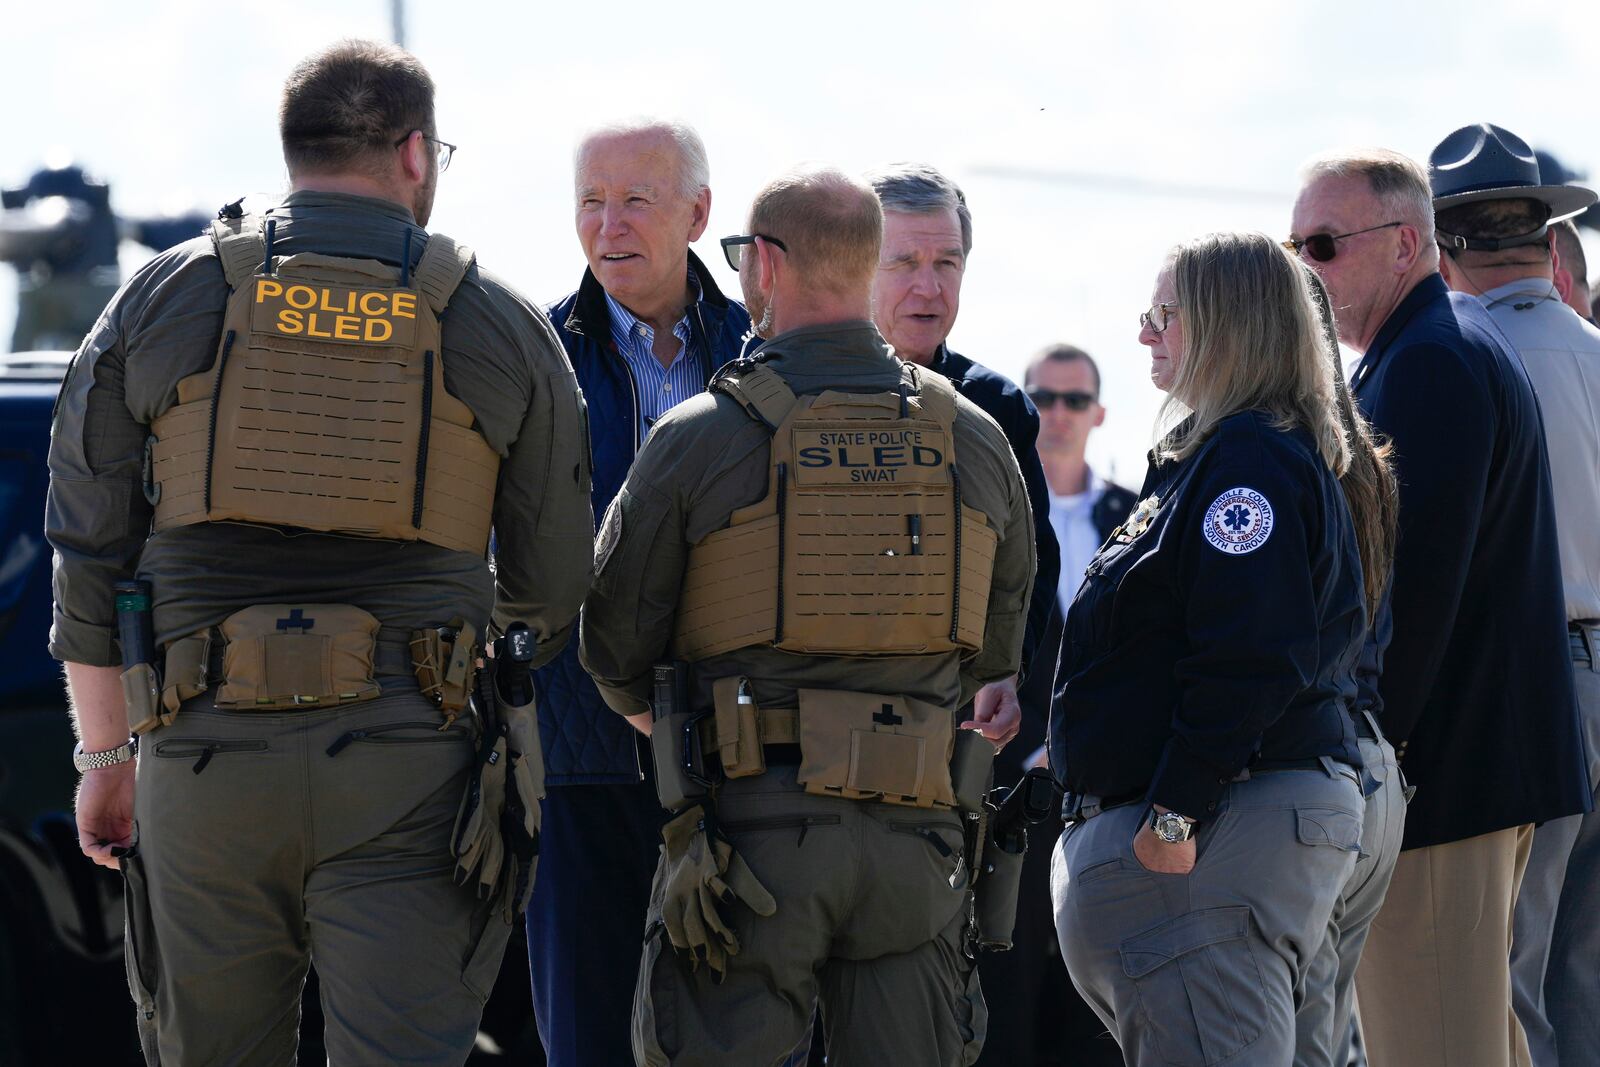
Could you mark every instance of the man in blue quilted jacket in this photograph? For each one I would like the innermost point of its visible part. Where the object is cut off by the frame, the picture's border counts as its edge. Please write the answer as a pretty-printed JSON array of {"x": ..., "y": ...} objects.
[{"x": 644, "y": 330}]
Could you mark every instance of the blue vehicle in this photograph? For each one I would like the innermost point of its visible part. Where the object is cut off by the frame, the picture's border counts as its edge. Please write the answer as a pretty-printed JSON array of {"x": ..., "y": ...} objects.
[{"x": 61, "y": 925}]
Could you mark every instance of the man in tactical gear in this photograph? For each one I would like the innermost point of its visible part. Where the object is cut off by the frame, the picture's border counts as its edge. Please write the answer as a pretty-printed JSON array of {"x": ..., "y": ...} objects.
[
  {"x": 838, "y": 547},
  {"x": 276, "y": 439}
]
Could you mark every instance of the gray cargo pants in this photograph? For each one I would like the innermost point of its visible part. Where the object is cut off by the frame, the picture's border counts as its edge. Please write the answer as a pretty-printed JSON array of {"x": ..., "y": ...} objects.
[
  {"x": 1555, "y": 946},
  {"x": 868, "y": 927},
  {"x": 1322, "y": 1025},
  {"x": 267, "y": 840},
  {"x": 1206, "y": 968}
]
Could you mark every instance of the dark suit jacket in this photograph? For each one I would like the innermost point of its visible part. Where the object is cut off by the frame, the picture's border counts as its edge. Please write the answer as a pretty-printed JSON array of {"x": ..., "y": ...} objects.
[
  {"x": 1477, "y": 680},
  {"x": 1000, "y": 399}
]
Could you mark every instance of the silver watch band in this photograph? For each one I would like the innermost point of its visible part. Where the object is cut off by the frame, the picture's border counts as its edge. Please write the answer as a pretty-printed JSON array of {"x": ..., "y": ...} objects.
[{"x": 110, "y": 757}]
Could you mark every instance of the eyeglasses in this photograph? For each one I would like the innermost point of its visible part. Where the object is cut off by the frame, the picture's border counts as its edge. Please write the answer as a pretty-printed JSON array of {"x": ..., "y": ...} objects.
[
  {"x": 1320, "y": 246},
  {"x": 442, "y": 150},
  {"x": 1158, "y": 316},
  {"x": 1048, "y": 398},
  {"x": 731, "y": 250}
]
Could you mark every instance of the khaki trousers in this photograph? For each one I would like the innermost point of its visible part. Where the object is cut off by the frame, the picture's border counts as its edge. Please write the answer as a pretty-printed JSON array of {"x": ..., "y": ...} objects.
[
  {"x": 867, "y": 927},
  {"x": 1434, "y": 985},
  {"x": 269, "y": 840}
]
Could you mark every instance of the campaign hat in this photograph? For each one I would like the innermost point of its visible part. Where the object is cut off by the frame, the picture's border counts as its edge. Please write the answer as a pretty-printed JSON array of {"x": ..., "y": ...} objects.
[{"x": 1487, "y": 162}]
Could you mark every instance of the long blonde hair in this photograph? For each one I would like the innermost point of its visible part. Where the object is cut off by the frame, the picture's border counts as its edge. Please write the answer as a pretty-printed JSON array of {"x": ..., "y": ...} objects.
[
  {"x": 1253, "y": 342},
  {"x": 1368, "y": 483}
]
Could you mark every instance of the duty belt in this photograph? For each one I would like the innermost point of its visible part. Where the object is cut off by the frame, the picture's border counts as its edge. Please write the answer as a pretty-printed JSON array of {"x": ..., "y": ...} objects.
[{"x": 1584, "y": 636}]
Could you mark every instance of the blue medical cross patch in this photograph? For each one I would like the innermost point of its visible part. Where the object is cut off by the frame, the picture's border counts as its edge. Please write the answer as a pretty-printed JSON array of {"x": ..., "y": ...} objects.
[{"x": 1238, "y": 521}]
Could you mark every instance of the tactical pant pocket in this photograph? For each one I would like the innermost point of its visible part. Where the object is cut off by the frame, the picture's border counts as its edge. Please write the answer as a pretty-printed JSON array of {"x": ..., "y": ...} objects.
[
  {"x": 488, "y": 949},
  {"x": 139, "y": 952},
  {"x": 1201, "y": 995},
  {"x": 400, "y": 733},
  {"x": 654, "y": 1015},
  {"x": 203, "y": 749}
]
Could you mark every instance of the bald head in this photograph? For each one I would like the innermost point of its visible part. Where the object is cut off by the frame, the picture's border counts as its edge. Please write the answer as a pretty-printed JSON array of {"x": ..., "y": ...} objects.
[{"x": 831, "y": 225}]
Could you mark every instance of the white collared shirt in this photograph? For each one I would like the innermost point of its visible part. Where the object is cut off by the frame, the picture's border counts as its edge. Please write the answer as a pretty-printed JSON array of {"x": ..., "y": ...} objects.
[{"x": 1072, "y": 517}]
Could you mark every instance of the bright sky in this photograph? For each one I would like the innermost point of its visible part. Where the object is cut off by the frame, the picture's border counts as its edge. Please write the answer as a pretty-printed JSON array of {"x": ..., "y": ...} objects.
[{"x": 1170, "y": 104}]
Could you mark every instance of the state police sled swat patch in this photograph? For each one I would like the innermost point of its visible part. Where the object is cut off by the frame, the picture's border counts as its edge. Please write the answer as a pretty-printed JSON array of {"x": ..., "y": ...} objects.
[{"x": 1238, "y": 521}]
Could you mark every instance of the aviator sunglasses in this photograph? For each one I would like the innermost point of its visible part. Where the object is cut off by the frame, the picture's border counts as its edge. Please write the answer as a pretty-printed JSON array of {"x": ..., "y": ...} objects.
[
  {"x": 1048, "y": 398},
  {"x": 1321, "y": 247}
]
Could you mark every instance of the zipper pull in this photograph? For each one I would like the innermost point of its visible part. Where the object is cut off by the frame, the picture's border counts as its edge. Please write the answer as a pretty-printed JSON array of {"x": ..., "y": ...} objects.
[
  {"x": 342, "y": 742},
  {"x": 205, "y": 757}
]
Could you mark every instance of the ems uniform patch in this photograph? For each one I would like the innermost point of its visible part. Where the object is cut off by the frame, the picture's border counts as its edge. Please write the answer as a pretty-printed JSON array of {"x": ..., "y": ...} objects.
[{"x": 1238, "y": 521}]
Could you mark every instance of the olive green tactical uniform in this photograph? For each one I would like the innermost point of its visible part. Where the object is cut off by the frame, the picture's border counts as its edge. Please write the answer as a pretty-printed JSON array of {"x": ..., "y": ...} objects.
[
  {"x": 867, "y": 920},
  {"x": 265, "y": 839}
]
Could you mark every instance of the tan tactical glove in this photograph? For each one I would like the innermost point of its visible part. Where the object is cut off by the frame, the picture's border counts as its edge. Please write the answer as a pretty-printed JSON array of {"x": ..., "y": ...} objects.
[
  {"x": 527, "y": 761},
  {"x": 700, "y": 870},
  {"x": 479, "y": 850}
]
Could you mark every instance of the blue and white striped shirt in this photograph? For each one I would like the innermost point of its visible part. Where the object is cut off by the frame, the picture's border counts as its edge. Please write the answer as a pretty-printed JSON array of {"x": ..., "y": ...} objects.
[{"x": 658, "y": 388}]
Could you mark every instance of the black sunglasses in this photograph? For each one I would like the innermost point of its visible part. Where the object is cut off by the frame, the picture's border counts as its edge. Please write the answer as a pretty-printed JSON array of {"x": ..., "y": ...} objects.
[
  {"x": 1048, "y": 398},
  {"x": 731, "y": 250},
  {"x": 1321, "y": 247}
]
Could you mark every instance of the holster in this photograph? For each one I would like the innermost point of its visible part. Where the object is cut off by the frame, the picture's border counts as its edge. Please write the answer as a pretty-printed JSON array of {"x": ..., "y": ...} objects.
[
  {"x": 1032, "y": 801},
  {"x": 999, "y": 879},
  {"x": 682, "y": 776},
  {"x": 141, "y": 698}
]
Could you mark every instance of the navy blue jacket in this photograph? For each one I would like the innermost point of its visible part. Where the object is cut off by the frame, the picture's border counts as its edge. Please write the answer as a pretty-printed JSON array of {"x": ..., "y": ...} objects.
[
  {"x": 999, "y": 398},
  {"x": 1223, "y": 631},
  {"x": 586, "y": 742},
  {"x": 1477, "y": 679}
]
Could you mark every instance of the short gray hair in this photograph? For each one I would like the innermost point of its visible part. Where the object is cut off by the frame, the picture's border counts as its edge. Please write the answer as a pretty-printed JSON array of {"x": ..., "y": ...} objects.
[
  {"x": 918, "y": 188},
  {"x": 1569, "y": 246},
  {"x": 1397, "y": 180},
  {"x": 694, "y": 168}
]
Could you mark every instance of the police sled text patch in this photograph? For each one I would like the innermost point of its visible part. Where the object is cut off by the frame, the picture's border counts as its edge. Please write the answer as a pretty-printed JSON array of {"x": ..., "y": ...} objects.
[
  {"x": 336, "y": 313},
  {"x": 1238, "y": 521},
  {"x": 848, "y": 453}
]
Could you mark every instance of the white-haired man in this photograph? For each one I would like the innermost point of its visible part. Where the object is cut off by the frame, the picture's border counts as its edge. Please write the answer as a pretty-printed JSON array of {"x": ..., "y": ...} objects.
[
  {"x": 1475, "y": 689},
  {"x": 644, "y": 330}
]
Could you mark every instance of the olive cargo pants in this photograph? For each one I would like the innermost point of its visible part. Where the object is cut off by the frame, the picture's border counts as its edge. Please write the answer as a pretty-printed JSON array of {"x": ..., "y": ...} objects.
[
  {"x": 867, "y": 924},
  {"x": 264, "y": 840}
]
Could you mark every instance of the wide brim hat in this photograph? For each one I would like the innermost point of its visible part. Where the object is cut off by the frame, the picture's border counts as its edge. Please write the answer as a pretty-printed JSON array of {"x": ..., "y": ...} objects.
[{"x": 1485, "y": 162}]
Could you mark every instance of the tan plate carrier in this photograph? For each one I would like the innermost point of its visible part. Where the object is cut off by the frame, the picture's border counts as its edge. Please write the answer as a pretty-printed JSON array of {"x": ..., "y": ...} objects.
[
  {"x": 862, "y": 545},
  {"x": 326, "y": 407}
]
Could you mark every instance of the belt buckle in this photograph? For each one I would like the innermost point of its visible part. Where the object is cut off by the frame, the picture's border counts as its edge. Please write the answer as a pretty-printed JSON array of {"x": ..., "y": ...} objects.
[{"x": 1072, "y": 808}]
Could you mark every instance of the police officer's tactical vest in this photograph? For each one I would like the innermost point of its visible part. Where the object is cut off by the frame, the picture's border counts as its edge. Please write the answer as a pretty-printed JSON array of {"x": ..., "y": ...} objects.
[
  {"x": 862, "y": 545},
  {"x": 326, "y": 407}
]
